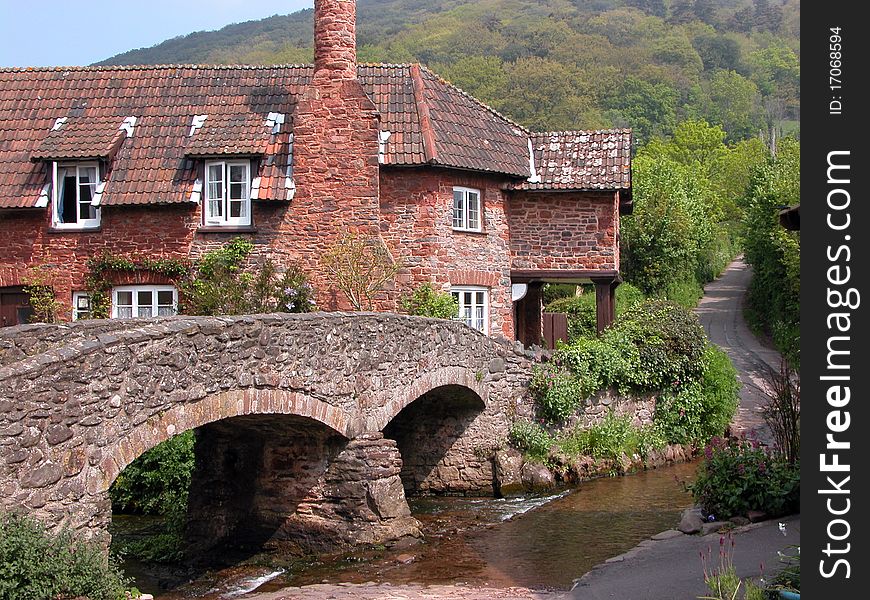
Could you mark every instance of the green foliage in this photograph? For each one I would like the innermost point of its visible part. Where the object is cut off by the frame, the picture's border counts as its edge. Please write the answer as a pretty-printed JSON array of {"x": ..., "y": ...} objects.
[
  {"x": 582, "y": 313},
  {"x": 738, "y": 475},
  {"x": 222, "y": 283},
  {"x": 532, "y": 439},
  {"x": 557, "y": 392},
  {"x": 425, "y": 301},
  {"x": 360, "y": 267},
  {"x": 39, "y": 287},
  {"x": 698, "y": 410},
  {"x": 774, "y": 252},
  {"x": 611, "y": 438},
  {"x": 156, "y": 482},
  {"x": 38, "y": 565},
  {"x": 654, "y": 345}
]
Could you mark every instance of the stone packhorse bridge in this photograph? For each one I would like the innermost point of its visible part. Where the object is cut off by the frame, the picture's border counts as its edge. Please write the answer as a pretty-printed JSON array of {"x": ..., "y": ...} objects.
[{"x": 309, "y": 428}]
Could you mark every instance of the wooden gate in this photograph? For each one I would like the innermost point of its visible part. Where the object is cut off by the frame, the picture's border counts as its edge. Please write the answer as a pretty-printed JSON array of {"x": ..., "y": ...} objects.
[{"x": 555, "y": 328}]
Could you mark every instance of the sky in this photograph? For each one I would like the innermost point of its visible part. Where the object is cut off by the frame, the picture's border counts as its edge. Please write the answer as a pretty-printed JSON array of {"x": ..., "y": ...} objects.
[{"x": 39, "y": 33}]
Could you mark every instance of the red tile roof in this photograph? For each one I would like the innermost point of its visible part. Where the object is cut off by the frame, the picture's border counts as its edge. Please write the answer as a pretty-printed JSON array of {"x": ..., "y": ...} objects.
[
  {"x": 81, "y": 138},
  {"x": 588, "y": 160},
  {"x": 429, "y": 120}
]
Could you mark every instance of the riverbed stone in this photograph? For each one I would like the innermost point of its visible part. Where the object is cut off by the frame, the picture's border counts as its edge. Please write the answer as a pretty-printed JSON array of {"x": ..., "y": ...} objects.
[
  {"x": 691, "y": 521},
  {"x": 508, "y": 471},
  {"x": 755, "y": 516},
  {"x": 537, "y": 477},
  {"x": 715, "y": 526}
]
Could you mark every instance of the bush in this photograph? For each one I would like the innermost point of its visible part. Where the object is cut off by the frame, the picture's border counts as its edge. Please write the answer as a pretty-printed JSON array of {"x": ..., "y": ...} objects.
[
  {"x": 557, "y": 392},
  {"x": 696, "y": 411},
  {"x": 611, "y": 438},
  {"x": 157, "y": 482},
  {"x": 222, "y": 284},
  {"x": 738, "y": 476},
  {"x": 530, "y": 438},
  {"x": 581, "y": 312},
  {"x": 654, "y": 345},
  {"x": 425, "y": 301},
  {"x": 38, "y": 565}
]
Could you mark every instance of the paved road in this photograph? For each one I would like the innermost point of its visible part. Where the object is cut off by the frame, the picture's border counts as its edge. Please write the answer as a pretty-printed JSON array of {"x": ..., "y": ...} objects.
[{"x": 721, "y": 313}]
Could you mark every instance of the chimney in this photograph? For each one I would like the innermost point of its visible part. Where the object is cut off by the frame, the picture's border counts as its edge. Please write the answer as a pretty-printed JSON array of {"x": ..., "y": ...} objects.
[{"x": 335, "y": 38}]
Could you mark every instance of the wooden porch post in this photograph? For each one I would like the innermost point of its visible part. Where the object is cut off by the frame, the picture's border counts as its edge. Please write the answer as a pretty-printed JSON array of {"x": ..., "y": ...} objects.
[{"x": 605, "y": 301}]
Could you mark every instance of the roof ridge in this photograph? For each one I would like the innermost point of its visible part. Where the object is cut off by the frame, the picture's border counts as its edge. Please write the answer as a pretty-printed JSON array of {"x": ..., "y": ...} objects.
[
  {"x": 570, "y": 131},
  {"x": 151, "y": 67},
  {"x": 475, "y": 100}
]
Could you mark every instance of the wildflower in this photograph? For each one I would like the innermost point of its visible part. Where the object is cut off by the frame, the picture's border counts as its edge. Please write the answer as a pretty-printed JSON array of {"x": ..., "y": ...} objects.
[
  {"x": 741, "y": 468},
  {"x": 782, "y": 529},
  {"x": 712, "y": 518},
  {"x": 708, "y": 452}
]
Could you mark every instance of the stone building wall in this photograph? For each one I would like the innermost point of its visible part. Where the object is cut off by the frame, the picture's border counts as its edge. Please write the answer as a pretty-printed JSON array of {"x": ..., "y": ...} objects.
[
  {"x": 567, "y": 230},
  {"x": 417, "y": 225}
]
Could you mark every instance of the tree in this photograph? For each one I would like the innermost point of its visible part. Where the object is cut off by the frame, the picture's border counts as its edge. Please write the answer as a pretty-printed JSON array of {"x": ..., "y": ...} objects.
[
  {"x": 735, "y": 104},
  {"x": 648, "y": 108},
  {"x": 718, "y": 51},
  {"x": 360, "y": 267}
]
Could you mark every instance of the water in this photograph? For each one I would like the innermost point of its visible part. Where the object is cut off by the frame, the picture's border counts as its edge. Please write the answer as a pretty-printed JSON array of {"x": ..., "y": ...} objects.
[{"x": 541, "y": 542}]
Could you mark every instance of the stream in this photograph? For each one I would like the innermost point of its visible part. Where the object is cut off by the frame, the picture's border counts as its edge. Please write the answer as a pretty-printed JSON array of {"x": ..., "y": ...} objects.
[{"x": 542, "y": 542}]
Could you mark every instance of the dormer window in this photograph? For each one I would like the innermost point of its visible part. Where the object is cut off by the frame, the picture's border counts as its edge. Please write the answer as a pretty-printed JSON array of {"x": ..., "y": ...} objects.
[
  {"x": 74, "y": 190},
  {"x": 227, "y": 197}
]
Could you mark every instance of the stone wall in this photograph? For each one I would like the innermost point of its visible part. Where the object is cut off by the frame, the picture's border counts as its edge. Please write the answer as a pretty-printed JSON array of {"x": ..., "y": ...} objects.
[
  {"x": 73, "y": 416},
  {"x": 417, "y": 225},
  {"x": 564, "y": 231}
]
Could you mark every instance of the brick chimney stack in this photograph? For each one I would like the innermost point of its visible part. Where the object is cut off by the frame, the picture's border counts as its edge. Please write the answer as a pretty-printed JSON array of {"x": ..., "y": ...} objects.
[{"x": 335, "y": 38}]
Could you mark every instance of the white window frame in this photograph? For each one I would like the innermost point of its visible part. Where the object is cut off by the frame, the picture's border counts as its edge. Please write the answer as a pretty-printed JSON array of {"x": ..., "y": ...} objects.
[
  {"x": 467, "y": 313},
  {"x": 58, "y": 173},
  {"x": 135, "y": 306},
  {"x": 464, "y": 209},
  {"x": 80, "y": 300},
  {"x": 222, "y": 199}
]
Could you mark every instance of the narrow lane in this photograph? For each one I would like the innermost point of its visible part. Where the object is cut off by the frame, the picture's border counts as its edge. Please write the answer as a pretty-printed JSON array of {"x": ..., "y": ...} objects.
[{"x": 721, "y": 314}]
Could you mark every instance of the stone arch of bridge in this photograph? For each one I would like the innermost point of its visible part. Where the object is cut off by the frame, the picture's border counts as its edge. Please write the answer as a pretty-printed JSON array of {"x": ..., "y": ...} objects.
[{"x": 211, "y": 409}]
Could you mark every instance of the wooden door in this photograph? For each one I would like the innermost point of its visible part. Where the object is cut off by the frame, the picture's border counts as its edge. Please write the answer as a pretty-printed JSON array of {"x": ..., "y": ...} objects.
[{"x": 14, "y": 307}]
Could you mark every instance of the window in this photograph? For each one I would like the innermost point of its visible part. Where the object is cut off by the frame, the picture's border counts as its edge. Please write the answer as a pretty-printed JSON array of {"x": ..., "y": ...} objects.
[
  {"x": 473, "y": 306},
  {"x": 144, "y": 301},
  {"x": 466, "y": 209},
  {"x": 227, "y": 193},
  {"x": 81, "y": 306},
  {"x": 74, "y": 187}
]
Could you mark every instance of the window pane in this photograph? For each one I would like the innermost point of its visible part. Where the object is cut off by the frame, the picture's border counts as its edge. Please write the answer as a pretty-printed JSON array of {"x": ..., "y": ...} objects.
[
  {"x": 238, "y": 173},
  {"x": 215, "y": 173},
  {"x": 144, "y": 311},
  {"x": 473, "y": 210},
  {"x": 238, "y": 191},
  {"x": 144, "y": 298},
  {"x": 458, "y": 201},
  {"x": 165, "y": 311},
  {"x": 165, "y": 298},
  {"x": 124, "y": 298},
  {"x": 125, "y": 312},
  {"x": 66, "y": 200}
]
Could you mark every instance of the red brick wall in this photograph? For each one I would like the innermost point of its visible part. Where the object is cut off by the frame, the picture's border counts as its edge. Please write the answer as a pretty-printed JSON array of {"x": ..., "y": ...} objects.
[
  {"x": 416, "y": 222},
  {"x": 564, "y": 230},
  {"x": 151, "y": 231}
]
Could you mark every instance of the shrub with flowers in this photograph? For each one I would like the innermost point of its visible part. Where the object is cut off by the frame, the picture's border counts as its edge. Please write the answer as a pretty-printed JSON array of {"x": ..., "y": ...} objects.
[
  {"x": 740, "y": 475},
  {"x": 226, "y": 282}
]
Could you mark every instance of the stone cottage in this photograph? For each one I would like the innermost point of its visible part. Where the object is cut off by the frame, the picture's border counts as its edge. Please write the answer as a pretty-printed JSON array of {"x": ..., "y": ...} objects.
[{"x": 174, "y": 160}]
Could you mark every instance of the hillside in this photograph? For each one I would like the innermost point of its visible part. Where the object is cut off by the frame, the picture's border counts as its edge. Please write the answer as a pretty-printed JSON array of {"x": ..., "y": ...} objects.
[{"x": 561, "y": 64}]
